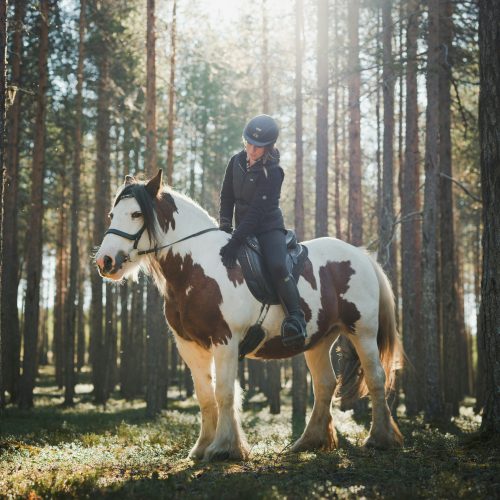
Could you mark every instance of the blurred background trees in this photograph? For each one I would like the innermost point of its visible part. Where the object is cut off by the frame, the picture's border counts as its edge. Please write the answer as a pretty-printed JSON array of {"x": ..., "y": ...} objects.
[{"x": 375, "y": 99}]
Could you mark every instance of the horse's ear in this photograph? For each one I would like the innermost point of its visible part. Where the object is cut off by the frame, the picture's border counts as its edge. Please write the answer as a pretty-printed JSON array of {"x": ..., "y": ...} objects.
[
  {"x": 129, "y": 179},
  {"x": 154, "y": 184}
]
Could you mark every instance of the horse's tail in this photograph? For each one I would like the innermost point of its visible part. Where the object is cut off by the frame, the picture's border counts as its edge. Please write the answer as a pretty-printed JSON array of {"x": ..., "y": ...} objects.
[{"x": 352, "y": 383}]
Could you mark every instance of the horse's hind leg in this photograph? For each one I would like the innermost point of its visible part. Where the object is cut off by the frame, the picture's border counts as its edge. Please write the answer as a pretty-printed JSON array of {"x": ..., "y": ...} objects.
[
  {"x": 384, "y": 432},
  {"x": 229, "y": 442},
  {"x": 199, "y": 361},
  {"x": 320, "y": 432}
]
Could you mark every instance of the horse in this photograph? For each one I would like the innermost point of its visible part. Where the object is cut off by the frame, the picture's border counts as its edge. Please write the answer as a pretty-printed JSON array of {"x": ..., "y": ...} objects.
[{"x": 209, "y": 308}]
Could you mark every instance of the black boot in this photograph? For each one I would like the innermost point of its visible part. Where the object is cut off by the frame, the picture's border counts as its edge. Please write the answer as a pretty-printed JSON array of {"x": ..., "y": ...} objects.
[{"x": 293, "y": 329}]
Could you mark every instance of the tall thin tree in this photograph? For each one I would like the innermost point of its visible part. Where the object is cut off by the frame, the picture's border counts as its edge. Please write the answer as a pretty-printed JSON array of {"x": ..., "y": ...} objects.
[
  {"x": 74, "y": 266},
  {"x": 355, "y": 217},
  {"x": 489, "y": 111},
  {"x": 321, "y": 221},
  {"x": 299, "y": 369},
  {"x": 386, "y": 222},
  {"x": 430, "y": 326},
  {"x": 171, "y": 95},
  {"x": 411, "y": 276},
  {"x": 34, "y": 248},
  {"x": 10, "y": 256}
]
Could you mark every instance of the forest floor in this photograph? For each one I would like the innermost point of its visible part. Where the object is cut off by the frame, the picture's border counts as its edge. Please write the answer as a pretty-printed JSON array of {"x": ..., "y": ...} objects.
[{"x": 88, "y": 452}]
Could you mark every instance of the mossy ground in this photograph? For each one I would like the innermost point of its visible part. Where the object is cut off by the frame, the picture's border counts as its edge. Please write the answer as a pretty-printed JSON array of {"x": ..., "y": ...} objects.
[{"x": 88, "y": 452}]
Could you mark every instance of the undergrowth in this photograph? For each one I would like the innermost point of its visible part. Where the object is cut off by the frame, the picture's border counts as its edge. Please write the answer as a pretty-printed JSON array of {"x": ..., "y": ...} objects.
[{"x": 89, "y": 452}]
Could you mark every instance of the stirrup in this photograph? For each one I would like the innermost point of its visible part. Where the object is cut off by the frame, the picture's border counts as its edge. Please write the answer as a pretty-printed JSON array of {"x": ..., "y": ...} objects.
[{"x": 296, "y": 339}]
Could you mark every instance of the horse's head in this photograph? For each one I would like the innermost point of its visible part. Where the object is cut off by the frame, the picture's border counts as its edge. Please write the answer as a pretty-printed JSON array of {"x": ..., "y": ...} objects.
[{"x": 135, "y": 226}]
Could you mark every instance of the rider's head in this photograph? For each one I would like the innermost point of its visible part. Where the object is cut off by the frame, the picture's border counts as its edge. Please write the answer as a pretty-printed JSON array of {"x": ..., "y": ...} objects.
[{"x": 259, "y": 136}]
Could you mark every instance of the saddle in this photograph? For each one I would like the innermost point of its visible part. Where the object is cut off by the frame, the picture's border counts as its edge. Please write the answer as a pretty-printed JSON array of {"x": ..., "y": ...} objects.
[{"x": 255, "y": 272}]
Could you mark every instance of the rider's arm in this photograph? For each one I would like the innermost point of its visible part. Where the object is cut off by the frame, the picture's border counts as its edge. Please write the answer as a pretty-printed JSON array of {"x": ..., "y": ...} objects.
[{"x": 226, "y": 207}]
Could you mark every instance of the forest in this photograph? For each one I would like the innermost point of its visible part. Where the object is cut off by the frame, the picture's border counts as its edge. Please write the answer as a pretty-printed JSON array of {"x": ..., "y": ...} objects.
[{"x": 389, "y": 139}]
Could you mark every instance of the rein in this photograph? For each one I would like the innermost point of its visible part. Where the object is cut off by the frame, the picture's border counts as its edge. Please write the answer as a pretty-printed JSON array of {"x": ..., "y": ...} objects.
[{"x": 137, "y": 236}]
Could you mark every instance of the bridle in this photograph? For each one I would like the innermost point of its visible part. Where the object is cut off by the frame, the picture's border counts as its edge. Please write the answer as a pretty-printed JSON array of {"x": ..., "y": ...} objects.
[{"x": 134, "y": 253}]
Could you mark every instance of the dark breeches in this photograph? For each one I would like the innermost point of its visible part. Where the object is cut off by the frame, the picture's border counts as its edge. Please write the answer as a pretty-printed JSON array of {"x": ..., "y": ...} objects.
[{"x": 273, "y": 248}]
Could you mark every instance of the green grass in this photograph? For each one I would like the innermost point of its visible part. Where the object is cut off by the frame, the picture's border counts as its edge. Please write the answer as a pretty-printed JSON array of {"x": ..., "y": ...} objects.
[{"x": 89, "y": 452}]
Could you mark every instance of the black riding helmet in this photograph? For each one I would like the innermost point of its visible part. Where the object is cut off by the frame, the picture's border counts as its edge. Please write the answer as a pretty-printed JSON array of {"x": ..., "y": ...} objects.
[{"x": 261, "y": 131}]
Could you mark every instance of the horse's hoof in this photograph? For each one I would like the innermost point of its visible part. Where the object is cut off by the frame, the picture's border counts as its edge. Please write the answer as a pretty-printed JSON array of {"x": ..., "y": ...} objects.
[
  {"x": 383, "y": 443},
  {"x": 219, "y": 455}
]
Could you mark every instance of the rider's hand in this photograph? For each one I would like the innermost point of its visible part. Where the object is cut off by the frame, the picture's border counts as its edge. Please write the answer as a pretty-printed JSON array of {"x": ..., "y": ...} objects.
[
  {"x": 227, "y": 228},
  {"x": 229, "y": 253}
]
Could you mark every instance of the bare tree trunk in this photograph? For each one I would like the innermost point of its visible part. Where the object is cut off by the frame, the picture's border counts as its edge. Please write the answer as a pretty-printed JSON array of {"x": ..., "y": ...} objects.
[
  {"x": 386, "y": 244},
  {"x": 449, "y": 280},
  {"x": 70, "y": 377},
  {"x": 336, "y": 132},
  {"x": 489, "y": 111},
  {"x": 3, "y": 74},
  {"x": 34, "y": 252},
  {"x": 299, "y": 143},
  {"x": 299, "y": 369},
  {"x": 355, "y": 218},
  {"x": 171, "y": 95},
  {"x": 11, "y": 337},
  {"x": 156, "y": 338},
  {"x": 411, "y": 276},
  {"x": 60, "y": 292},
  {"x": 431, "y": 333},
  {"x": 321, "y": 225},
  {"x": 101, "y": 208}
]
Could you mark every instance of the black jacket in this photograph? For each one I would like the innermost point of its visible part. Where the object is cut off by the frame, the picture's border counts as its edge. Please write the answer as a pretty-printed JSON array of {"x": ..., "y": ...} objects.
[{"x": 252, "y": 194}]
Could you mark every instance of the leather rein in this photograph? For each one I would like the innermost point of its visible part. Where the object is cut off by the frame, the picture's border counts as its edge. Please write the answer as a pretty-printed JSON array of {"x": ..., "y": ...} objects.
[{"x": 134, "y": 253}]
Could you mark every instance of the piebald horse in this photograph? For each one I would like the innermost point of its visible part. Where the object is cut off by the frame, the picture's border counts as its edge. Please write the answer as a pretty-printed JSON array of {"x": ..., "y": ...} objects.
[{"x": 209, "y": 308}]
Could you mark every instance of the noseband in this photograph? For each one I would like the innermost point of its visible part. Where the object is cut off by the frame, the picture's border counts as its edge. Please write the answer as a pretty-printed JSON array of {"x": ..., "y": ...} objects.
[{"x": 134, "y": 253}]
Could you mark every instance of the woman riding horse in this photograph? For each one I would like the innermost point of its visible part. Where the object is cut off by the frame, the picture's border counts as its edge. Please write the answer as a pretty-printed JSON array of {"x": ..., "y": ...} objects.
[{"x": 251, "y": 190}]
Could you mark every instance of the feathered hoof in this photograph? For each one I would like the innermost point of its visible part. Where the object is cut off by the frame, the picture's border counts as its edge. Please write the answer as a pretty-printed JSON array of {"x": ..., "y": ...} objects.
[
  {"x": 198, "y": 451},
  {"x": 385, "y": 441},
  {"x": 327, "y": 443},
  {"x": 216, "y": 453}
]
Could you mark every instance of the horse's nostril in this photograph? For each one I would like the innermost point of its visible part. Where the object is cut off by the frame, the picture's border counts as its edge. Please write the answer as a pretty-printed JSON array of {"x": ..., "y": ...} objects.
[{"x": 108, "y": 263}]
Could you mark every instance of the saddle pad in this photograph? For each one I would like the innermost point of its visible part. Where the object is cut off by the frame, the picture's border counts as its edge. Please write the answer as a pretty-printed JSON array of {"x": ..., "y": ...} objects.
[{"x": 256, "y": 275}]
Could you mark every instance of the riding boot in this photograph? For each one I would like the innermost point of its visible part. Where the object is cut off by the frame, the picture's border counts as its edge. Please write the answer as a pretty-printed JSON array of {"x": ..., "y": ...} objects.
[{"x": 293, "y": 328}]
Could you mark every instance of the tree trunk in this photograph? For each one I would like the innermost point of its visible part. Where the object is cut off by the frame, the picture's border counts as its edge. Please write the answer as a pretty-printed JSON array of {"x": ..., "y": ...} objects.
[
  {"x": 336, "y": 132},
  {"x": 171, "y": 94},
  {"x": 156, "y": 335},
  {"x": 299, "y": 370},
  {"x": 321, "y": 225},
  {"x": 101, "y": 208},
  {"x": 489, "y": 111},
  {"x": 11, "y": 339},
  {"x": 70, "y": 378},
  {"x": 452, "y": 330},
  {"x": 411, "y": 276},
  {"x": 430, "y": 324},
  {"x": 35, "y": 237},
  {"x": 355, "y": 218},
  {"x": 60, "y": 295},
  {"x": 3, "y": 74},
  {"x": 386, "y": 244},
  {"x": 299, "y": 143}
]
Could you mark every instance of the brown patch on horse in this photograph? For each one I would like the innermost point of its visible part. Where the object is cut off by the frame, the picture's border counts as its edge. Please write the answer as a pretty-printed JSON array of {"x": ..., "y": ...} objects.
[
  {"x": 334, "y": 279},
  {"x": 308, "y": 274},
  {"x": 192, "y": 302},
  {"x": 165, "y": 207},
  {"x": 235, "y": 275}
]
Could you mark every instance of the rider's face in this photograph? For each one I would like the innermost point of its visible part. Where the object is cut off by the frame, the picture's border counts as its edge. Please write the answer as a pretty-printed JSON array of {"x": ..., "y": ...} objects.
[{"x": 253, "y": 152}]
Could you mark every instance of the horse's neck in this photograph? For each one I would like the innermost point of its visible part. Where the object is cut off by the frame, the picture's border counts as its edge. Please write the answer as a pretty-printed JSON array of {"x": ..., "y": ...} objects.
[{"x": 189, "y": 219}]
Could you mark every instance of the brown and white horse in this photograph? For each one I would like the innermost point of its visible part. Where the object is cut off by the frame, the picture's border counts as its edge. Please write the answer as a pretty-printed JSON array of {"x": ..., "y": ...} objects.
[{"x": 209, "y": 308}]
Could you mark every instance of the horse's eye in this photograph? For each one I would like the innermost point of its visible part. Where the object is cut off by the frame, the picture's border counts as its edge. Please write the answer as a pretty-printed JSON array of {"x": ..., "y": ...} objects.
[
  {"x": 136, "y": 215},
  {"x": 110, "y": 215}
]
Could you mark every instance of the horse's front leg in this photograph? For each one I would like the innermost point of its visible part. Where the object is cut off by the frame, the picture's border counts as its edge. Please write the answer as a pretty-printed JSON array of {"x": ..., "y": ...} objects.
[
  {"x": 229, "y": 442},
  {"x": 199, "y": 361}
]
